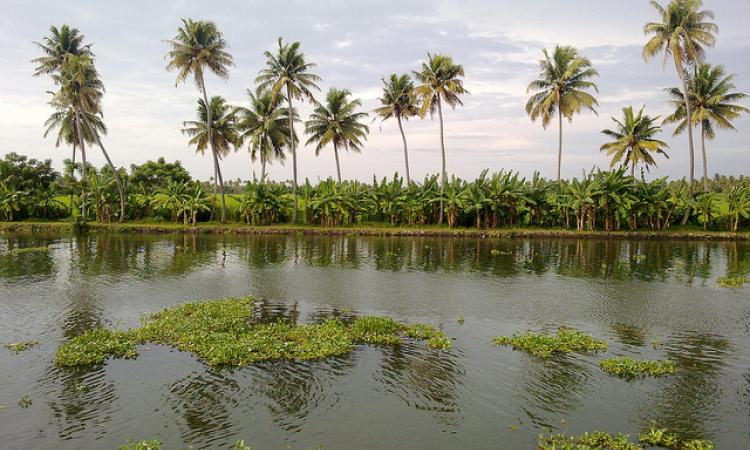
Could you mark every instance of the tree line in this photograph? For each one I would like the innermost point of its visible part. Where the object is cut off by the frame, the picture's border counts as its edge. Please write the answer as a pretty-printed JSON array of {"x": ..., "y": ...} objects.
[{"x": 266, "y": 123}]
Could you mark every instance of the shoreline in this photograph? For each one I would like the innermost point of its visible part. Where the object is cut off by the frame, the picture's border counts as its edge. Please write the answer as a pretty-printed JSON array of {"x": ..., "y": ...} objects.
[{"x": 374, "y": 230}]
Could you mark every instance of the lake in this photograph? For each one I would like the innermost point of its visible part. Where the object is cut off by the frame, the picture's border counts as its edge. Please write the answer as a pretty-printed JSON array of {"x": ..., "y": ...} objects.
[{"x": 647, "y": 299}]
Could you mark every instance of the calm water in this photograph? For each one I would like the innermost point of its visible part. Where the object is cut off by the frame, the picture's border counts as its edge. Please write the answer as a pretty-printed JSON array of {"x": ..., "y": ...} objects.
[{"x": 628, "y": 293}]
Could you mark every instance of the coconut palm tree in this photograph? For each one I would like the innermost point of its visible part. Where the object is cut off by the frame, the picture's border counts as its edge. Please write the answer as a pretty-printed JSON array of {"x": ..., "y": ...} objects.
[
  {"x": 220, "y": 134},
  {"x": 289, "y": 70},
  {"x": 198, "y": 47},
  {"x": 561, "y": 89},
  {"x": 711, "y": 97},
  {"x": 56, "y": 47},
  {"x": 682, "y": 33},
  {"x": 265, "y": 127},
  {"x": 440, "y": 80},
  {"x": 336, "y": 122},
  {"x": 634, "y": 141},
  {"x": 399, "y": 102}
]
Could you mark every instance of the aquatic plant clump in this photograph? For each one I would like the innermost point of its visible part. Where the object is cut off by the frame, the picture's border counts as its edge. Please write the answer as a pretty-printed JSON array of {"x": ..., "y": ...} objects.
[
  {"x": 222, "y": 333},
  {"x": 153, "y": 444},
  {"x": 732, "y": 282},
  {"x": 661, "y": 437},
  {"x": 567, "y": 340},
  {"x": 18, "y": 347},
  {"x": 629, "y": 368},
  {"x": 24, "y": 250},
  {"x": 586, "y": 441}
]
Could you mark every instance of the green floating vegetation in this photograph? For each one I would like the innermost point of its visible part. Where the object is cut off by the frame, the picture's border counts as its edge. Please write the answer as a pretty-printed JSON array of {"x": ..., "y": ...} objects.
[
  {"x": 152, "y": 444},
  {"x": 629, "y": 368},
  {"x": 586, "y": 441},
  {"x": 566, "y": 340},
  {"x": 222, "y": 333},
  {"x": 22, "y": 250},
  {"x": 25, "y": 401},
  {"x": 661, "y": 437},
  {"x": 732, "y": 282},
  {"x": 18, "y": 347}
]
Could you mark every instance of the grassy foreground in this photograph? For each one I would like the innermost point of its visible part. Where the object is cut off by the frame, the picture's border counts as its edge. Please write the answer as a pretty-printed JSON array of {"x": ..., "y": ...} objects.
[{"x": 374, "y": 229}]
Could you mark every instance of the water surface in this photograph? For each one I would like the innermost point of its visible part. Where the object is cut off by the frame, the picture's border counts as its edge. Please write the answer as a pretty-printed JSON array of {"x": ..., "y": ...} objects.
[{"x": 633, "y": 294}]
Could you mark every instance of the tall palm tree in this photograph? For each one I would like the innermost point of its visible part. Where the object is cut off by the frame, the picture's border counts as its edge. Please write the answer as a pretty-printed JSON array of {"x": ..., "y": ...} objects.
[
  {"x": 399, "y": 102},
  {"x": 634, "y": 140},
  {"x": 56, "y": 47},
  {"x": 200, "y": 46},
  {"x": 561, "y": 89},
  {"x": 215, "y": 129},
  {"x": 441, "y": 81},
  {"x": 683, "y": 33},
  {"x": 336, "y": 122},
  {"x": 265, "y": 127},
  {"x": 289, "y": 70},
  {"x": 711, "y": 96}
]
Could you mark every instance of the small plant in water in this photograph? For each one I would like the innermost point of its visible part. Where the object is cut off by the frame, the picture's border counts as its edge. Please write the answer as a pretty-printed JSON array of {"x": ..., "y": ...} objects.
[
  {"x": 153, "y": 444},
  {"x": 566, "y": 340},
  {"x": 732, "y": 282},
  {"x": 18, "y": 347},
  {"x": 661, "y": 437},
  {"x": 240, "y": 445},
  {"x": 222, "y": 333},
  {"x": 586, "y": 441},
  {"x": 626, "y": 367},
  {"x": 460, "y": 320},
  {"x": 25, "y": 401}
]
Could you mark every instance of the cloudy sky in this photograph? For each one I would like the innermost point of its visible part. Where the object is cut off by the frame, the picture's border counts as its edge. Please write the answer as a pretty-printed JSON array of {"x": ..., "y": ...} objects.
[{"x": 354, "y": 44}]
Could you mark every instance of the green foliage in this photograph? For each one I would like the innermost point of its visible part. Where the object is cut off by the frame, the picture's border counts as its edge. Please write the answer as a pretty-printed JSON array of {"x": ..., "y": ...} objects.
[
  {"x": 586, "y": 441},
  {"x": 566, "y": 340},
  {"x": 25, "y": 401},
  {"x": 626, "y": 367},
  {"x": 153, "y": 444},
  {"x": 732, "y": 282},
  {"x": 661, "y": 437},
  {"x": 222, "y": 332},
  {"x": 18, "y": 347}
]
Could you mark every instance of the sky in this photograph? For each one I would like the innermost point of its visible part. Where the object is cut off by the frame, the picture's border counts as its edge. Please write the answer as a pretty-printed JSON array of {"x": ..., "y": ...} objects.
[{"x": 355, "y": 44}]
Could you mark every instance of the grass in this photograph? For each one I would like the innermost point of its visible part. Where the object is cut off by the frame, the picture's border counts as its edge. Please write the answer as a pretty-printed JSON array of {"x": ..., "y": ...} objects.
[
  {"x": 567, "y": 340},
  {"x": 18, "y": 347},
  {"x": 625, "y": 367},
  {"x": 732, "y": 282},
  {"x": 221, "y": 332}
]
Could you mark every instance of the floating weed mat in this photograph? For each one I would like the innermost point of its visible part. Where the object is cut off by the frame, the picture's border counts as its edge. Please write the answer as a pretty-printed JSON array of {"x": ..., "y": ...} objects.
[
  {"x": 221, "y": 333},
  {"x": 24, "y": 250},
  {"x": 732, "y": 282},
  {"x": 661, "y": 437},
  {"x": 625, "y": 367},
  {"x": 152, "y": 444},
  {"x": 601, "y": 440},
  {"x": 567, "y": 340},
  {"x": 18, "y": 347}
]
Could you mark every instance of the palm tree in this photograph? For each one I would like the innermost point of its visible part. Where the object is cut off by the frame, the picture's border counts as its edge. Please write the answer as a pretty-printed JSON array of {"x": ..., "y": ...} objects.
[
  {"x": 220, "y": 134},
  {"x": 56, "y": 47},
  {"x": 264, "y": 125},
  {"x": 197, "y": 47},
  {"x": 683, "y": 33},
  {"x": 337, "y": 123},
  {"x": 634, "y": 140},
  {"x": 561, "y": 88},
  {"x": 399, "y": 102},
  {"x": 441, "y": 81},
  {"x": 711, "y": 96},
  {"x": 288, "y": 69}
]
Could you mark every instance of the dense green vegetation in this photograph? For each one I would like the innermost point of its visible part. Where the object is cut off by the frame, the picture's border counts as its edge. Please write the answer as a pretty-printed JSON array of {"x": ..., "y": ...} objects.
[
  {"x": 660, "y": 438},
  {"x": 222, "y": 332},
  {"x": 626, "y": 367},
  {"x": 18, "y": 347},
  {"x": 566, "y": 340}
]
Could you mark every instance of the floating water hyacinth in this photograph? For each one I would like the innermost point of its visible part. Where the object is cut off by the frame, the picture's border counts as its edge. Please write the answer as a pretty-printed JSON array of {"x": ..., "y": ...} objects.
[
  {"x": 566, "y": 340},
  {"x": 626, "y": 367}
]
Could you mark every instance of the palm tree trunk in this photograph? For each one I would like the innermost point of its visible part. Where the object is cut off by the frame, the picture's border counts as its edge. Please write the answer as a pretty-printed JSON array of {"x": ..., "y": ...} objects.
[
  {"x": 632, "y": 169},
  {"x": 559, "y": 139},
  {"x": 338, "y": 165},
  {"x": 262, "y": 167},
  {"x": 118, "y": 180},
  {"x": 442, "y": 154},
  {"x": 83, "y": 164},
  {"x": 406, "y": 151},
  {"x": 209, "y": 123},
  {"x": 705, "y": 162},
  {"x": 689, "y": 117},
  {"x": 73, "y": 176},
  {"x": 294, "y": 154}
]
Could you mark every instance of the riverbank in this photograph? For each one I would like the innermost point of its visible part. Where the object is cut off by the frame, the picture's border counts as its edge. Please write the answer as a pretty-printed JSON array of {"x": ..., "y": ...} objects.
[{"x": 373, "y": 230}]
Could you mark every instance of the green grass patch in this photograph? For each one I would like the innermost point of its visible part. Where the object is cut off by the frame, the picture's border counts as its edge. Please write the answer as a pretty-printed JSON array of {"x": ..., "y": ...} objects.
[
  {"x": 732, "y": 282},
  {"x": 586, "y": 441},
  {"x": 625, "y": 367},
  {"x": 222, "y": 332},
  {"x": 567, "y": 340},
  {"x": 18, "y": 347}
]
